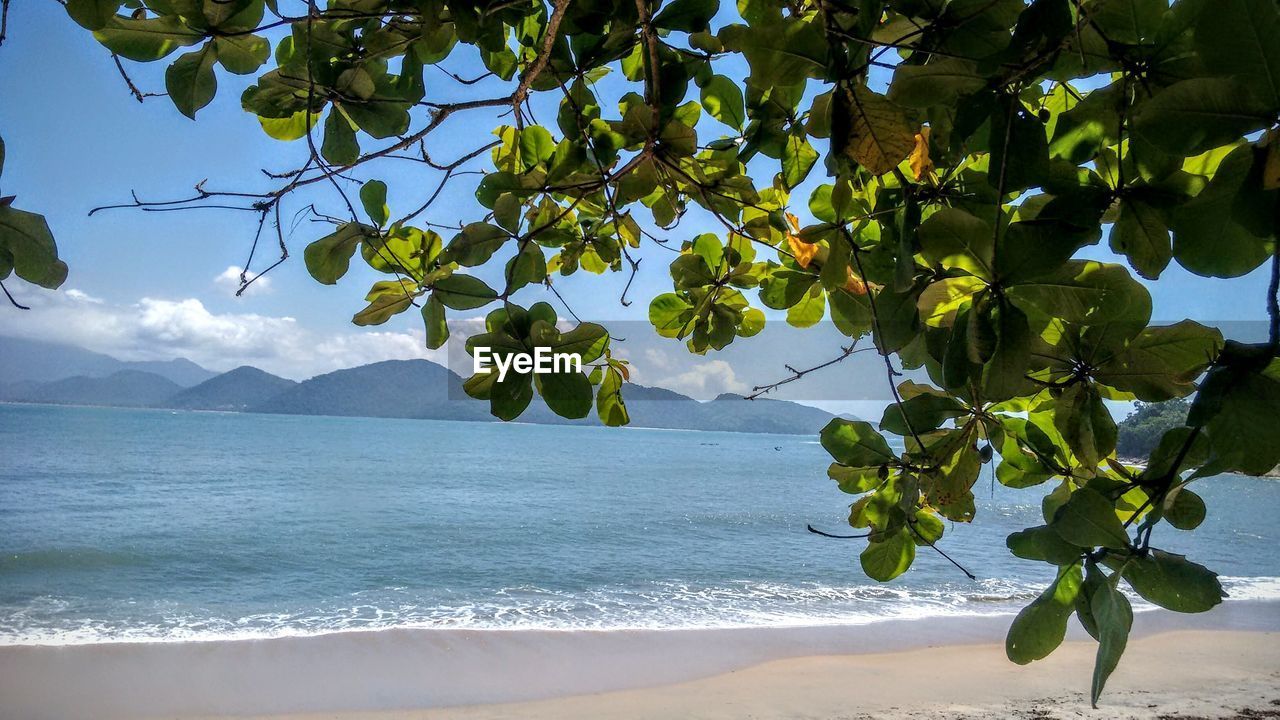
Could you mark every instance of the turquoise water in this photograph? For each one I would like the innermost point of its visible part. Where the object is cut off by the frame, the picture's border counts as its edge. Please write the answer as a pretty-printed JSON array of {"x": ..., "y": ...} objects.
[{"x": 138, "y": 524}]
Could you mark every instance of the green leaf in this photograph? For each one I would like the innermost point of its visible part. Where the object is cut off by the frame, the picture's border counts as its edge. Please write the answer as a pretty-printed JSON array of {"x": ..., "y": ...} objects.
[
  {"x": 1196, "y": 115},
  {"x": 798, "y": 158},
  {"x": 670, "y": 315},
  {"x": 1094, "y": 579},
  {"x": 146, "y": 39},
  {"x": 379, "y": 117},
  {"x": 1131, "y": 22},
  {"x": 926, "y": 528},
  {"x": 954, "y": 239},
  {"x": 1237, "y": 405},
  {"x": 26, "y": 238},
  {"x": 922, "y": 412},
  {"x": 609, "y": 405},
  {"x": 356, "y": 84},
  {"x": 1162, "y": 362},
  {"x": 373, "y": 195},
  {"x": 476, "y": 244},
  {"x": 1241, "y": 39},
  {"x": 509, "y": 397},
  {"x": 940, "y": 82},
  {"x": 328, "y": 258},
  {"x": 1039, "y": 629},
  {"x": 190, "y": 80},
  {"x": 855, "y": 480},
  {"x": 1207, "y": 237},
  {"x": 888, "y": 557},
  {"x": 1019, "y": 147},
  {"x": 528, "y": 266},
  {"x": 1141, "y": 235},
  {"x": 340, "y": 146},
  {"x": 290, "y": 127},
  {"x": 785, "y": 53},
  {"x": 403, "y": 250},
  {"x": 855, "y": 443},
  {"x": 242, "y": 54},
  {"x": 942, "y": 301},
  {"x": 722, "y": 99},
  {"x": 587, "y": 340},
  {"x": 1173, "y": 582},
  {"x": 1042, "y": 543},
  {"x": 536, "y": 146},
  {"x": 1114, "y": 618},
  {"x": 808, "y": 312},
  {"x": 463, "y": 292},
  {"x": 92, "y": 14},
  {"x": 689, "y": 16},
  {"x": 1089, "y": 520},
  {"x": 386, "y": 299},
  {"x": 568, "y": 394},
  {"x": 896, "y": 320},
  {"x": 433, "y": 316},
  {"x": 1184, "y": 509}
]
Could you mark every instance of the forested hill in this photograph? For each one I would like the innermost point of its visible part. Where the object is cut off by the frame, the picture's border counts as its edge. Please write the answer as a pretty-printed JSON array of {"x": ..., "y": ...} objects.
[{"x": 411, "y": 389}]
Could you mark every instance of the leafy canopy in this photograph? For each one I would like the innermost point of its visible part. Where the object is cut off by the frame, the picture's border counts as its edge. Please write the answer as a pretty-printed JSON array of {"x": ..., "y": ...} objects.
[{"x": 947, "y": 233}]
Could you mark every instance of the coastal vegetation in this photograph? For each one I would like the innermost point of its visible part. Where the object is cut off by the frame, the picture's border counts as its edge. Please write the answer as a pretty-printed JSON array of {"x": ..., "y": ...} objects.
[
  {"x": 960, "y": 155},
  {"x": 1140, "y": 432}
]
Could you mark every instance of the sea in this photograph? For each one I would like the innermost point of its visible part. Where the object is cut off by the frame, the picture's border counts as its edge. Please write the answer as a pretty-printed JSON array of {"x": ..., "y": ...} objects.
[{"x": 154, "y": 525}]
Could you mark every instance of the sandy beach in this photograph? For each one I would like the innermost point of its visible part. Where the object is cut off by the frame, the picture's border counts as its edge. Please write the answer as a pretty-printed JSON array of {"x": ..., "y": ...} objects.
[
  {"x": 1209, "y": 666},
  {"x": 1191, "y": 674}
]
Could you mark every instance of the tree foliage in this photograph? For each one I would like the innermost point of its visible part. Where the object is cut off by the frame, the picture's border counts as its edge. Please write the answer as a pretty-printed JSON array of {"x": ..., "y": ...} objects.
[
  {"x": 1140, "y": 432},
  {"x": 27, "y": 247},
  {"x": 959, "y": 194}
]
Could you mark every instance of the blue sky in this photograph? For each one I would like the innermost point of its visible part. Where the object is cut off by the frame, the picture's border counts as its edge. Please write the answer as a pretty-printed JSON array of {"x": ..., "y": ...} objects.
[{"x": 146, "y": 285}]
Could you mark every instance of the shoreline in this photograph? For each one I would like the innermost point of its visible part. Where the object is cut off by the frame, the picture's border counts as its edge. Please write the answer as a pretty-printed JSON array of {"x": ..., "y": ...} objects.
[{"x": 383, "y": 673}]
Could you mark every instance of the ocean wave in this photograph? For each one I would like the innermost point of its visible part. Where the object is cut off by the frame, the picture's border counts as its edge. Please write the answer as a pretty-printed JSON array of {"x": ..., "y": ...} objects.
[{"x": 652, "y": 606}]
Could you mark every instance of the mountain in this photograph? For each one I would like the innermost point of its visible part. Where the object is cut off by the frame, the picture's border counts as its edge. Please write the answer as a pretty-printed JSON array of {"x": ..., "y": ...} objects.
[
  {"x": 737, "y": 414},
  {"x": 41, "y": 362},
  {"x": 126, "y": 388},
  {"x": 416, "y": 389},
  {"x": 394, "y": 388},
  {"x": 235, "y": 390},
  {"x": 424, "y": 390}
]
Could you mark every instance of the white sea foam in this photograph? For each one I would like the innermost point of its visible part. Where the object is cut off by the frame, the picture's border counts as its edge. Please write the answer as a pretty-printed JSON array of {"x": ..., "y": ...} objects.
[{"x": 658, "y": 606}]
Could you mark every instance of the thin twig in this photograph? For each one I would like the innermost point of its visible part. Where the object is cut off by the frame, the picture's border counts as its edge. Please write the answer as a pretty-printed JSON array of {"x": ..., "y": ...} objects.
[
  {"x": 133, "y": 89},
  {"x": 759, "y": 390},
  {"x": 15, "y": 303},
  {"x": 816, "y": 531},
  {"x": 1273, "y": 292},
  {"x": 938, "y": 550}
]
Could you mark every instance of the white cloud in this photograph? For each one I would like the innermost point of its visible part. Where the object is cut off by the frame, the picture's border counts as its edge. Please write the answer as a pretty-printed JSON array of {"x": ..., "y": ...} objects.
[
  {"x": 157, "y": 329},
  {"x": 82, "y": 296},
  {"x": 657, "y": 359},
  {"x": 229, "y": 281},
  {"x": 704, "y": 381}
]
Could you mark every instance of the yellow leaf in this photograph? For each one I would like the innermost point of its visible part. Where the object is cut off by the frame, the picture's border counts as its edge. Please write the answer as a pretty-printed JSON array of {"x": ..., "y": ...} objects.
[
  {"x": 921, "y": 164},
  {"x": 855, "y": 285},
  {"x": 803, "y": 251},
  {"x": 879, "y": 136}
]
